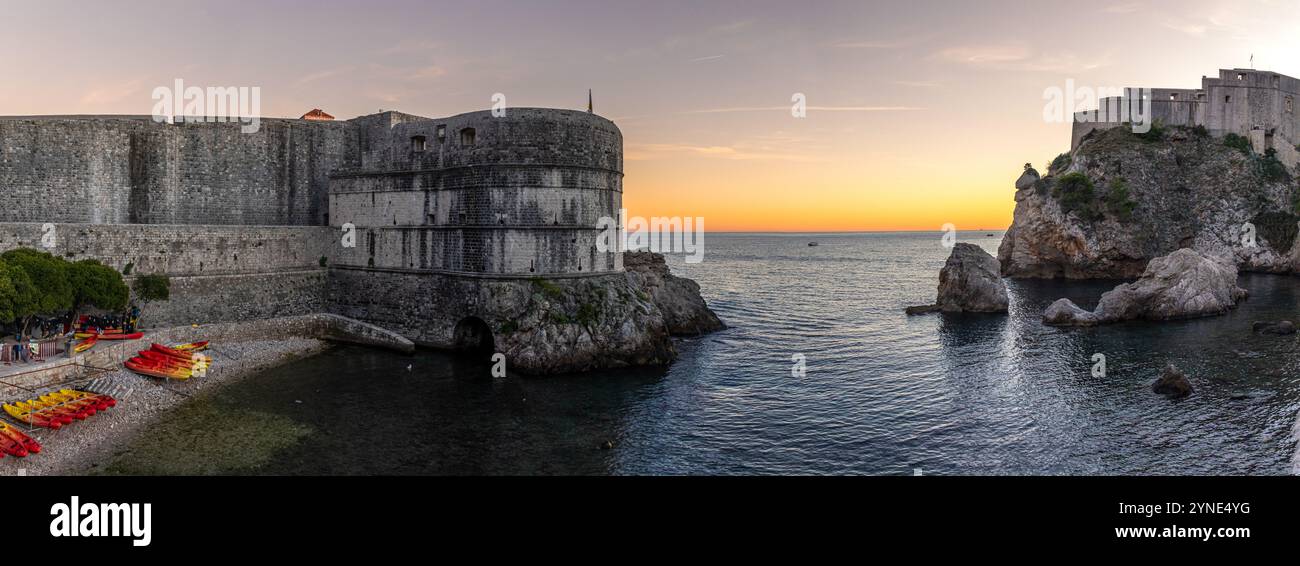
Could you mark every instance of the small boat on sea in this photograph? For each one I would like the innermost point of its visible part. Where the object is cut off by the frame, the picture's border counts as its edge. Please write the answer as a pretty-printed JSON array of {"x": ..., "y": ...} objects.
[{"x": 813, "y": 244}]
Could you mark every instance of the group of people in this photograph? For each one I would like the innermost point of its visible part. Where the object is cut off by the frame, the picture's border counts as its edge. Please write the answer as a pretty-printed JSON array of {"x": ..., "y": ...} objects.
[{"x": 26, "y": 347}]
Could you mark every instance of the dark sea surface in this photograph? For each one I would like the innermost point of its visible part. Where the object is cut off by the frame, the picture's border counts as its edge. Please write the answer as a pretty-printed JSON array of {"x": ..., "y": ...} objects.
[{"x": 883, "y": 393}]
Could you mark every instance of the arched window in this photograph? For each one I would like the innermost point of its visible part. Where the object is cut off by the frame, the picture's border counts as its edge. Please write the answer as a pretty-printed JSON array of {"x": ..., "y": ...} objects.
[
  {"x": 418, "y": 143},
  {"x": 467, "y": 136}
]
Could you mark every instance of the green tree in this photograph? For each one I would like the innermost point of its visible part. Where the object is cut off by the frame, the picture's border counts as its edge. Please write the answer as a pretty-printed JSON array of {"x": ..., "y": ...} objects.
[
  {"x": 149, "y": 288},
  {"x": 12, "y": 302},
  {"x": 94, "y": 283},
  {"x": 51, "y": 288}
]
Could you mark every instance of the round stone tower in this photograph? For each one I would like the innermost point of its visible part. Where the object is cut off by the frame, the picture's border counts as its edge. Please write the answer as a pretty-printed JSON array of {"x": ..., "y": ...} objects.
[{"x": 517, "y": 195}]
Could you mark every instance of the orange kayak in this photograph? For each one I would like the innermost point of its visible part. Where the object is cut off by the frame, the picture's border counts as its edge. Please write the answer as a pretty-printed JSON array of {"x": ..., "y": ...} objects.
[
  {"x": 148, "y": 357},
  {"x": 151, "y": 368},
  {"x": 84, "y": 345},
  {"x": 192, "y": 347}
]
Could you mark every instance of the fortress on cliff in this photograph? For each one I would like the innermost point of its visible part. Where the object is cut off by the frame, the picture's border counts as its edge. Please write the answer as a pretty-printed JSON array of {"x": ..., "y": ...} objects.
[
  {"x": 467, "y": 231},
  {"x": 1258, "y": 105}
]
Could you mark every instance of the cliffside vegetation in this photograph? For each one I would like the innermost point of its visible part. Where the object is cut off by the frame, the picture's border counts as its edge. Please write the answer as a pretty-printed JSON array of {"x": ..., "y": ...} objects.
[{"x": 1121, "y": 199}]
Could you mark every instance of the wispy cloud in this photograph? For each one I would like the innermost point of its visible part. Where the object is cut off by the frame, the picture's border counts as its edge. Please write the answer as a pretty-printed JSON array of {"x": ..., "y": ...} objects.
[
  {"x": 708, "y": 58},
  {"x": 321, "y": 75},
  {"x": 918, "y": 84},
  {"x": 427, "y": 72},
  {"x": 810, "y": 108},
  {"x": 1127, "y": 8},
  {"x": 986, "y": 54},
  {"x": 731, "y": 27},
  {"x": 738, "y": 152},
  {"x": 412, "y": 46},
  {"x": 111, "y": 93},
  {"x": 1189, "y": 28},
  {"x": 1019, "y": 56}
]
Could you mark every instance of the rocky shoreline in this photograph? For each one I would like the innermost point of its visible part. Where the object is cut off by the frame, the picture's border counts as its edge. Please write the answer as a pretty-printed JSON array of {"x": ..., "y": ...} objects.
[{"x": 83, "y": 446}]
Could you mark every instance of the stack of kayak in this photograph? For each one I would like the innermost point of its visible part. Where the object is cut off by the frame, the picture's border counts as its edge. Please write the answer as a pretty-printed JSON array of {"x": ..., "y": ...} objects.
[
  {"x": 178, "y": 362},
  {"x": 53, "y": 410},
  {"x": 14, "y": 443}
]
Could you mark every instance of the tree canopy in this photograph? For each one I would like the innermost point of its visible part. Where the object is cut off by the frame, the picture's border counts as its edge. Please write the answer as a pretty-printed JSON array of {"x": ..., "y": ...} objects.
[
  {"x": 33, "y": 282},
  {"x": 152, "y": 288},
  {"x": 94, "y": 283},
  {"x": 49, "y": 275}
]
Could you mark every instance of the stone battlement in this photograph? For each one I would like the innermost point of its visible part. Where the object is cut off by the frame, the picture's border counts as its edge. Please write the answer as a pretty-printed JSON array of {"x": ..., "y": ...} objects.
[{"x": 1259, "y": 105}]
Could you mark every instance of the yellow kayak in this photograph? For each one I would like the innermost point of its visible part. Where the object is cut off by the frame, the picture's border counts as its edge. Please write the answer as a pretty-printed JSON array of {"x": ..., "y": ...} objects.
[{"x": 86, "y": 344}]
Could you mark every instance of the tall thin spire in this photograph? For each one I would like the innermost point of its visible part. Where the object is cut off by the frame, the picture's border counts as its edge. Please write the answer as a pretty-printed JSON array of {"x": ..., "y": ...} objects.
[{"x": 589, "y": 108}]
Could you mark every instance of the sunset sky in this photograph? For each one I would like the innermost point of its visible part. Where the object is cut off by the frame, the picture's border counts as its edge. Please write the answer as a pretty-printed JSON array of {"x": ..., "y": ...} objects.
[{"x": 919, "y": 113}]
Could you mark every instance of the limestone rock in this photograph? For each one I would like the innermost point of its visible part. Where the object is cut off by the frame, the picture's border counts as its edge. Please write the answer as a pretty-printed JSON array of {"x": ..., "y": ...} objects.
[
  {"x": 679, "y": 298},
  {"x": 970, "y": 282},
  {"x": 1064, "y": 312},
  {"x": 1027, "y": 179},
  {"x": 922, "y": 309},
  {"x": 1173, "y": 383},
  {"x": 1148, "y": 199},
  {"x": 1183, "y": 284},
  {"x": 580, "y": 324},
  {"x": 1280, "y": 328}
]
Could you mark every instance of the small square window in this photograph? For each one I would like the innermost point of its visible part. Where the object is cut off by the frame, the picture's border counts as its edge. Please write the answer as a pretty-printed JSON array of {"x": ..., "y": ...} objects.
[
  {"x": 442, "y": 134},
  {"x": 1227, "y": 99},
  {"x": 418, "y": 143}
]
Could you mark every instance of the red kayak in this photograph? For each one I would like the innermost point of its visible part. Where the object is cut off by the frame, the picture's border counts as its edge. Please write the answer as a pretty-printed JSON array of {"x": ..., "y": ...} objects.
[
  {"x": 20, "y": 444},
  {"x": 150, "y": 357},
  {"x": 132, "y": 336},
  {"x": 173, "y": 352}
]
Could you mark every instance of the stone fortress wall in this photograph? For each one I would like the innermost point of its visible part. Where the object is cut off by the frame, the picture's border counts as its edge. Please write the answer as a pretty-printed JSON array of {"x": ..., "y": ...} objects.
[
  {"x": 1259, "y": 105},
  {"x": 219, "y": 273},
  {"x": 132, "y": 170},
  {"x": 250, "y": 225}
]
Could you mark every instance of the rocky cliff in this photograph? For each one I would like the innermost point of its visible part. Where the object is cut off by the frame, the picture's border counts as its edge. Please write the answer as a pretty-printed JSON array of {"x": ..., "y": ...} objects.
[
  {"x": 1121, "y": 199},
  {"x": 679, "y": 298},
  {"x": 580, "y": 324}
]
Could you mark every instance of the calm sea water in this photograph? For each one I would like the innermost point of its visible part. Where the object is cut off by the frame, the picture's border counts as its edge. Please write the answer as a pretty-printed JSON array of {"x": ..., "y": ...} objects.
[{"x": 883, "y": 393}]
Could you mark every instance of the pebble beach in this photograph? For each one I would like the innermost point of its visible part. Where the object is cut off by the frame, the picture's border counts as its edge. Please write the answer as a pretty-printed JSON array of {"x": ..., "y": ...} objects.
[{"x": 84, "y": 446}]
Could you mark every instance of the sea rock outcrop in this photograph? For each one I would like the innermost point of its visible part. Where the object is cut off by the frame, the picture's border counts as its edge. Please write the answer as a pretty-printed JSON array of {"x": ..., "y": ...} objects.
[
  {"x": 551, "y": 326},
  {"x": 679, "y": 299},
  {"x": 1183, "y": 284},
  {"x": 1280, "y": 328},
  {"x": 1172, "y": 383},
  {"x": 969, "y": 282},
  {"x": 568, "y": 325},
  {"x": 1120, "y": 200}
]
